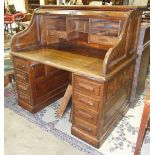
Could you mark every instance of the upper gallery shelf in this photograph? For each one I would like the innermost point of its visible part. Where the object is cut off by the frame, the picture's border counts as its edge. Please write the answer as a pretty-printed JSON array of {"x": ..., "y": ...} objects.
[{"x": 106, "y": 31}]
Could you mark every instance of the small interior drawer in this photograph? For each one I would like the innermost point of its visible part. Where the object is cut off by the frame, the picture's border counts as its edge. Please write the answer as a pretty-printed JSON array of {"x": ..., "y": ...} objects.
[
  {"x": 85, "y": 127},
  {"x": 21, "y": 76},
  {"x": 86, "y": 85},
  {"x": 101, "y": 39},
  {"x": 20, "y": 63},
  {"x": 24, "y": 88},
  {"x": 86, "y": 101}
]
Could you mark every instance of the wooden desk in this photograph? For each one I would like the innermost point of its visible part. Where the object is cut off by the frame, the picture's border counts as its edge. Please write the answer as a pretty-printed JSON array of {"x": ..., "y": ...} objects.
[
  {"x": 90, "y": 47},
  {"x": 76, "y": 63}
]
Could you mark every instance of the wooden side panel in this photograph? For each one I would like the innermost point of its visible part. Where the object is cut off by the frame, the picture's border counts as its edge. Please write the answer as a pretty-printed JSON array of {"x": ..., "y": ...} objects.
[
  {"x": 50, "y": 83},
  {"x": 133, "y": 33},
  {"x": 27, "y": 38},
  {"x": 46, "y": 80}
]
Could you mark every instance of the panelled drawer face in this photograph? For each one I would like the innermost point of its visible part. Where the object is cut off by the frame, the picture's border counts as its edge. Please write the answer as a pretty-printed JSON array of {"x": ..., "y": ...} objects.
[
  {"x": 20, "y": 64},
  {"x": 87, "y": 86},
  {"x": 85, "y": 127},
  {"x": 20, "y": 76},
  {"x": 85, "y": 101},
  {"x": 24, "y": 88},
  {"x": 23, "y": 97},
  {"x": 83, "y": 114}
]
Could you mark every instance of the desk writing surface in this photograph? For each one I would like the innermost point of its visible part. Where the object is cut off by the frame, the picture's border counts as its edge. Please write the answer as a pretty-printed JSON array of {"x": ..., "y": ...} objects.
[{"x": 76, "y": 63}]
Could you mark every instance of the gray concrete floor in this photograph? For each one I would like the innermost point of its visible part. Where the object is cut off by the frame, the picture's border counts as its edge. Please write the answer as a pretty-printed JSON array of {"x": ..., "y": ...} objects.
[{"x": 24, "y": 138}]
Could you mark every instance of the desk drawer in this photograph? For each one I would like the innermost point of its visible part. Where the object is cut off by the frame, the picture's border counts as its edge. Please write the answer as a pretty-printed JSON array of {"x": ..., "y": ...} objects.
[
  {"x": 24, "y": 97},
  {"x": 85, "y": 101},
  {"x": 85, "y": 127},
  {"x": 24, "y": 88},
  {"x": 86, "y": 115},
  {"x": 21, "y": 76},
  {"x": 20, "y": 63},
  {"x": 87, "y": 86}
]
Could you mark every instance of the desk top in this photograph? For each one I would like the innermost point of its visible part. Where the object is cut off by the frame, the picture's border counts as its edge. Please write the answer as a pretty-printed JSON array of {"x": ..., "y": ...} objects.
[{"x": 73, "y": 62}]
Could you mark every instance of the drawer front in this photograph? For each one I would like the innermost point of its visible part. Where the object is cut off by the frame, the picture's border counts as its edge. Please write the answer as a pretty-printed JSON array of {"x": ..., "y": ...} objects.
[
  {"x": 24, "y": 88},
  {"x": 85, "y": 127},
  {"x": 23, "y": 97},
  {"x": 20, "y": 64},
  {"x": 86, "y": 115},
  {"x": 85, "y": 101},
  {"x": 20, "y": 76},
  {"x": 87, "y": 86},
  {"x": 102, "y": 39},
  {"x": 60, "y": 34}
]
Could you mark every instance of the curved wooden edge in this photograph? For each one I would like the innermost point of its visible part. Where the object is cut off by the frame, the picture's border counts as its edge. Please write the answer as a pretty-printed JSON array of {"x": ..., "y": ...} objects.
[
  {"x": 27, "y": 37},
  {"x": 88, "y": 7},
  {"x": 112, "y": 52},
  {"x": 120, "y": 53},
  {"x": 120, "y": 68}
]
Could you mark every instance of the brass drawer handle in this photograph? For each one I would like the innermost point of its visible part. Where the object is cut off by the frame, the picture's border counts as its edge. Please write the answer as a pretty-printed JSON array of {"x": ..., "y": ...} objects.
[
  {"x": 22, "y": 87},
  {"x": 84, "y": 114},
  {"x": 86, "y": 102},
  {"x": 21, "y": 76},
  {"x": 84, "y": 86},
  {"x": 85, "y": 128}
]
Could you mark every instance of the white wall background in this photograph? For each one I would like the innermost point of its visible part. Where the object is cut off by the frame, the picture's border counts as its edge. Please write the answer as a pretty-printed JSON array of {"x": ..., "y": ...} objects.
[
  {"x": 140, "y": 2},
  {"x": 19, "y": 4}
]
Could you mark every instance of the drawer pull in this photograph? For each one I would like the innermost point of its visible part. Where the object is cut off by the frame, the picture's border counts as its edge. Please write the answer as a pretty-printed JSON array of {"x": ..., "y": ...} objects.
[
  {"x": 32, "y": 66},
  {"x": 21, "y": 66},
  {"x": 23, "y": 97},
  {"x": 84, "y": 114},
  {"x": 21, "y": 76},
  {"x": 86, "y": 87},
  {"x": 85, "y": 128},
  {"x": 86, "y": 102},
  {"x": 22, "y": 87}
]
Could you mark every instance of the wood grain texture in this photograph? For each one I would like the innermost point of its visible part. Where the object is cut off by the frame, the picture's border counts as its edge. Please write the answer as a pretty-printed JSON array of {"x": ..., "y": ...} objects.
[
  {"x": 65, "y": 100},
  {"x": 65, "y": 60},
  {"x": 36, "y": 87},
  {"x": 97, "y": 45}
]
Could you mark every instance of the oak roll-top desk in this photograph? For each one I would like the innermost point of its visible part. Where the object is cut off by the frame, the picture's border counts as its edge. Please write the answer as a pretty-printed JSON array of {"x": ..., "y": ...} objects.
[{"x": 91, "y": 47}]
